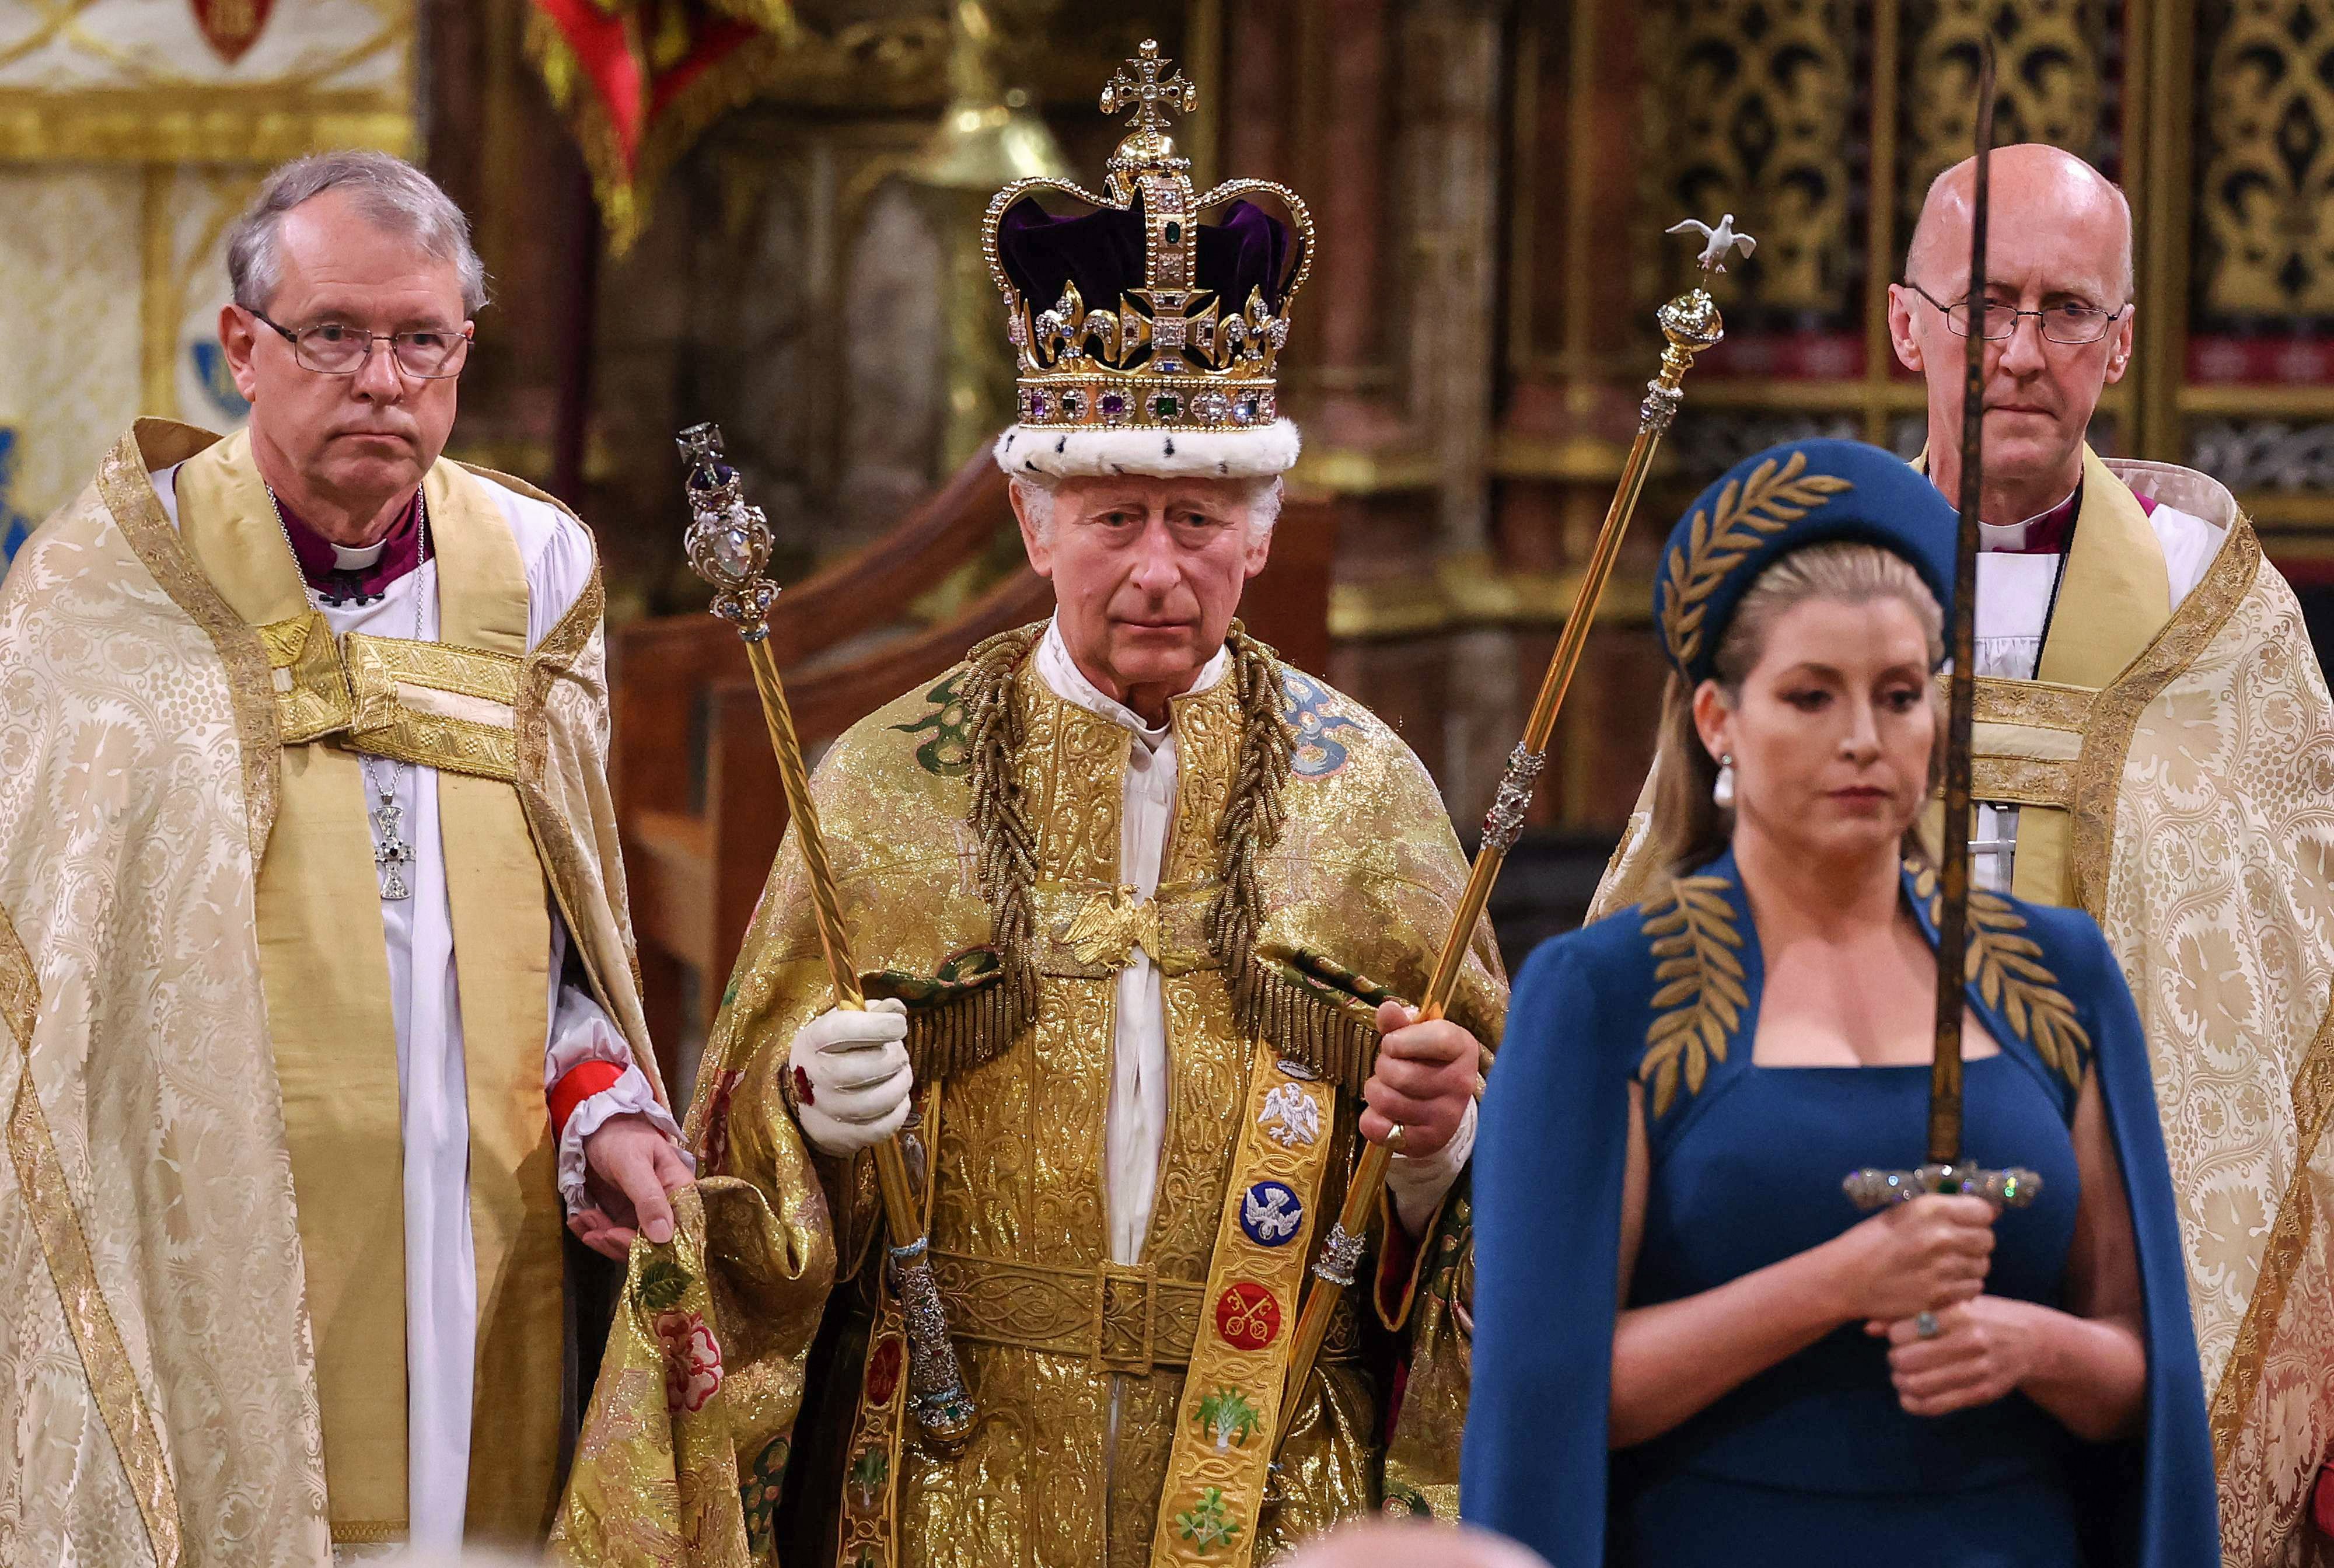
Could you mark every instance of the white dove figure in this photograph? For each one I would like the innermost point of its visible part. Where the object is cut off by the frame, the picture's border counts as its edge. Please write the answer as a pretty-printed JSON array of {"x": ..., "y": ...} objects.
[
  {"x": 1722, "y": 241},
  {"x": 1272, "y": 1220}
]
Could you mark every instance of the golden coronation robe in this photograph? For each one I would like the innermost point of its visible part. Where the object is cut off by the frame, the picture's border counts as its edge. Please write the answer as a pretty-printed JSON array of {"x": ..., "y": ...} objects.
[
  {"x": 1092, "y": 1444},
  {"x": 201, "y": 1236},
  {"x": 2173, "y": 771}
]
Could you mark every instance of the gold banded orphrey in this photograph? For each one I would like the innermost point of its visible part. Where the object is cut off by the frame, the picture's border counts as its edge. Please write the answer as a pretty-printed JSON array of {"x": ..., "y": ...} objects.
[
  {"x": 1234, "y": 1406},
  {"x": 433, "y": 704}
]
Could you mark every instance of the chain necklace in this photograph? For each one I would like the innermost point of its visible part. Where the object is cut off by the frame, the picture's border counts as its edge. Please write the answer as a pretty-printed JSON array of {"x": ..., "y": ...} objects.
[{"x": 392, "y": 855}]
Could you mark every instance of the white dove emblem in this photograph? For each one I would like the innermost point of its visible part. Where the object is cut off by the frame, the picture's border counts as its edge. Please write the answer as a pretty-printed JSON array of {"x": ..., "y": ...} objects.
[
  {"x": 1273, "y": 1220},
  {"x": 1722, "y": 241}
]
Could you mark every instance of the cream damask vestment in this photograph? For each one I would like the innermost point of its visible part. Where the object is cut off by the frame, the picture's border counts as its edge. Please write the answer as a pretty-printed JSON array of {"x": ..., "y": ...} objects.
[
  {"x": 226, "y": 1056},
  {"x": 1127, "y": 1408},
  {"x": 2173, "y": 772}
]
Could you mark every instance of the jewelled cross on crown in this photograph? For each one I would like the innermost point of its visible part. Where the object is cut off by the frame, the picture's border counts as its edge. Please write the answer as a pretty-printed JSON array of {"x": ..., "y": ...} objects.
[{"x": 1146, "y": 90}]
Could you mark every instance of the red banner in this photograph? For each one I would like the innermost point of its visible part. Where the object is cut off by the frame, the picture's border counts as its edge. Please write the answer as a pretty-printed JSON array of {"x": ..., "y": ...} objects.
[
  {"x": 640, "y": 80},
  {"x": 231, "y": 27}
]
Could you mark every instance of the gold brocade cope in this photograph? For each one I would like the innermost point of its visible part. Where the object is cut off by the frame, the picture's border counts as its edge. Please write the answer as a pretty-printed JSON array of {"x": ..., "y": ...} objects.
[
  {"x": 1077, "y": 1363},
  {"x": 330, "y": 1021},
  {"x": 2192, "y": 825},
  {"x": 158, "y": 1363}
]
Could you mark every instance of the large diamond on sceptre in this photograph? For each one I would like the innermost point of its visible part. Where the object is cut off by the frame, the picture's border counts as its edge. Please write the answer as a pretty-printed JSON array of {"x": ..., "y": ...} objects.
[{"x": 729, "y": 542}]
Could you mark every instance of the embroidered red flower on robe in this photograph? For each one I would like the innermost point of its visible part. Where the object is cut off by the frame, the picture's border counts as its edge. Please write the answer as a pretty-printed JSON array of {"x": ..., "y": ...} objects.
[{"x": 692, "y": 1360}]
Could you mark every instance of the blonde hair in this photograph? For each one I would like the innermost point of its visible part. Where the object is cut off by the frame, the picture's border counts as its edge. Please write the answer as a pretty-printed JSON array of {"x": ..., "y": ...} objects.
[{"x": 1690, "y": 829}]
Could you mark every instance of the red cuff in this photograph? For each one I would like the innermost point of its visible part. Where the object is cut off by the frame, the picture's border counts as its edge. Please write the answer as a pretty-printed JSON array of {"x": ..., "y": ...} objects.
[
  {"x": 578, "y": 1084},
  {"x": 2325, "y": 1508}
]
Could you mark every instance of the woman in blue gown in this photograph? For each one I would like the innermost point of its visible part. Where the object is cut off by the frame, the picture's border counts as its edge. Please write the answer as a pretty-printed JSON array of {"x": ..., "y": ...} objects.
[{"x": 1691, "y": 1347}]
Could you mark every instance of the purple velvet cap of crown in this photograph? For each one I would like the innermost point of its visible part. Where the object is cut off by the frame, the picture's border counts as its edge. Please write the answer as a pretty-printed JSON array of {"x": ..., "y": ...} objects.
[{"x": 1102, "y": 253}]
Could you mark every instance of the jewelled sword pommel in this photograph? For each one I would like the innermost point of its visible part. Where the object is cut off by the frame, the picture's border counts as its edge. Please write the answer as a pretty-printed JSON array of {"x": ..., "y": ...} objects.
[
  {"x": 729, "y": 542},
  {"x": 1878, "y": 1189}
]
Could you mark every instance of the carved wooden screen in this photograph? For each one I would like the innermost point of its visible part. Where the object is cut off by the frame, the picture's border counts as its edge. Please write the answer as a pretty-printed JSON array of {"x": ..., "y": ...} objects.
[{"x": 1820, "y": 122}]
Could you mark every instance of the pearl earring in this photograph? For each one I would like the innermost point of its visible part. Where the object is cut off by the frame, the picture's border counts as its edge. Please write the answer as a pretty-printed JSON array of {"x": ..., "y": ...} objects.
[{"x": 1721, "y": 792}]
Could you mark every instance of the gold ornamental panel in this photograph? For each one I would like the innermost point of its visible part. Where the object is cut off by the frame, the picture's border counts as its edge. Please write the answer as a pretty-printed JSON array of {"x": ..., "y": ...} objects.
[
  {"x": 1756, "y": 109},
  {"x": 2047, "y": 80},
  {"x": 2267, "y": 224}
]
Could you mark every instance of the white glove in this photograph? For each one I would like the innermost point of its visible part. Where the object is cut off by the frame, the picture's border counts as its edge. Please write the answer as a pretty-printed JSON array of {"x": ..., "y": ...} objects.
[{"x": 851, "y": 1076}]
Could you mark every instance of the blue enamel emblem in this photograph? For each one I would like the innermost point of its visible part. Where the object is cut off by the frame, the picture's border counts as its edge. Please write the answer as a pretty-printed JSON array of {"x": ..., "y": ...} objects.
[{"x": 1271, "y": 1214}]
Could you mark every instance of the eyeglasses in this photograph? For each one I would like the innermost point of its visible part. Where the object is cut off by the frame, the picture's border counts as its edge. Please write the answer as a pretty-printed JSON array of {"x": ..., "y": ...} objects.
[
  {"x": 2067, "y": 323},
  {"x": 333, "y": 348}
]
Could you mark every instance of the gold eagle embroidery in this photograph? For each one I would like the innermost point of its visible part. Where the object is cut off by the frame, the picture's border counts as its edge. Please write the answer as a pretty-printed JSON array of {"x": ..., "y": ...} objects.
[
  {"x": 1699, "y": 998},
  {"x": 1110, "y": 926}
]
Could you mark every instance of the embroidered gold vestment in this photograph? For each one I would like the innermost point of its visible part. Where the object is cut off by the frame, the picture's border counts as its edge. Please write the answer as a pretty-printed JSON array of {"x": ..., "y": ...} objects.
[
  {"x": 1089, "y": 1447},
  {"x": 2172, "y": 771},
  {"x": 201, "y": 1213}
]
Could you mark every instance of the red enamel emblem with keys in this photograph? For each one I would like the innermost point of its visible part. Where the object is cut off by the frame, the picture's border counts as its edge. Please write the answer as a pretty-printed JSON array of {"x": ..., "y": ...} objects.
[{"x": 1247, "y": 1316}]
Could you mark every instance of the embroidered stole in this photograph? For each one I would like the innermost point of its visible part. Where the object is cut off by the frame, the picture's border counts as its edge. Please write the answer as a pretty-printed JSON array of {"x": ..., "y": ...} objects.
[
  {"x": 324, "y": 968},
  {"x": 2028, "y": 735},
  {"x": 1229, "y": 1421}
]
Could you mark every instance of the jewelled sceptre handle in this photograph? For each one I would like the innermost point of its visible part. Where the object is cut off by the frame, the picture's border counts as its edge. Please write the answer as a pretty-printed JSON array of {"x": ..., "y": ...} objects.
[
  {"x": 728, "y": 546},
  {"x": 1690, "y": 323}
]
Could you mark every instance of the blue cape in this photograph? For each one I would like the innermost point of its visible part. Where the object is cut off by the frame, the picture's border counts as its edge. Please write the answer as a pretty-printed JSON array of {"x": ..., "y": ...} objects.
[{"x": 1547, "y": 1174}]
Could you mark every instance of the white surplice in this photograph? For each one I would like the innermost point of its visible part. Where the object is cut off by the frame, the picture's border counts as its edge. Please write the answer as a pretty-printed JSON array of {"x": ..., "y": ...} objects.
[
  {"x": 441, "y": 1297},
  {"x": 2013, "y": 611},
  {"x": 1137, "y": 1127}
]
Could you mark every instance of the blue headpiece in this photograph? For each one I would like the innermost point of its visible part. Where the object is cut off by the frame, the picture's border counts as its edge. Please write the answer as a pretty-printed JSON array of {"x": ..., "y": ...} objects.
[{"x": 1785, "y": 498}]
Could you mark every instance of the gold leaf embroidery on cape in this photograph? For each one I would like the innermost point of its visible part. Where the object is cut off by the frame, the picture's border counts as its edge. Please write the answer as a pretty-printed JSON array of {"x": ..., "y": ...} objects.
[
  {"x": 2011, "y": 976},
  {"x": 1748, "y": 512},
  {"x": 1700, "y": 998}
]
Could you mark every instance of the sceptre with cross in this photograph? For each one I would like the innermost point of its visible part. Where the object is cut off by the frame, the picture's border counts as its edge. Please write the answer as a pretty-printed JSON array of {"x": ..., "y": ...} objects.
[{"x": 729, "y": 545}]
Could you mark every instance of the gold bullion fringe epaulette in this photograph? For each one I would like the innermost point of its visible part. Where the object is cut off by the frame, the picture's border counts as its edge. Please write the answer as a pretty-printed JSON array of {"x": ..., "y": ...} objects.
[
  {"x": 970, "y": 1029},
  {"x": 1337, "y": 1040},
  {"x": 963, "y": 1032}
]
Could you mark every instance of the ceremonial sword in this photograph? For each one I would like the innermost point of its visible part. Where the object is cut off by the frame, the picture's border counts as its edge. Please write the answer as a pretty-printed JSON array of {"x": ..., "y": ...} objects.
[
  {"x": 1692, "y": 325},
  {"x": 729, "y": 545},
  {"x": 1945, "y": 1172}
]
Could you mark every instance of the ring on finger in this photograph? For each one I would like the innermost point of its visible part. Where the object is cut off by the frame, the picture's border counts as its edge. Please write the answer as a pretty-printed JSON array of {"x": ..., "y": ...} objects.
[
  {"x": 1924, "y": 1325},
  {"x": 1394, "y": 1139}
]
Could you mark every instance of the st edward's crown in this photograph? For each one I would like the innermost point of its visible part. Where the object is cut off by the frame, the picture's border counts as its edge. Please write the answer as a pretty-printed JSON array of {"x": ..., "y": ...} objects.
[{"x": 1137, "y": 317}]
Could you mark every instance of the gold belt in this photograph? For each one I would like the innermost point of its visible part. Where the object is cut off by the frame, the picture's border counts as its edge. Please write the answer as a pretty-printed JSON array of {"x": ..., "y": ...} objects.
[{"x": 1122, "y": 1319}]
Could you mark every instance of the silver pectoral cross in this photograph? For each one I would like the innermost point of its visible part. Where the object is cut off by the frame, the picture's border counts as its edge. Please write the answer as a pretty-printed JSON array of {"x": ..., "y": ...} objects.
[{"x": 391, "y": 853}]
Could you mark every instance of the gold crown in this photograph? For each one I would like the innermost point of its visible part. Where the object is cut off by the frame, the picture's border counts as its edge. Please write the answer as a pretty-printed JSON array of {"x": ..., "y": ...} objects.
[{"x": 1172, "y": 353}]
